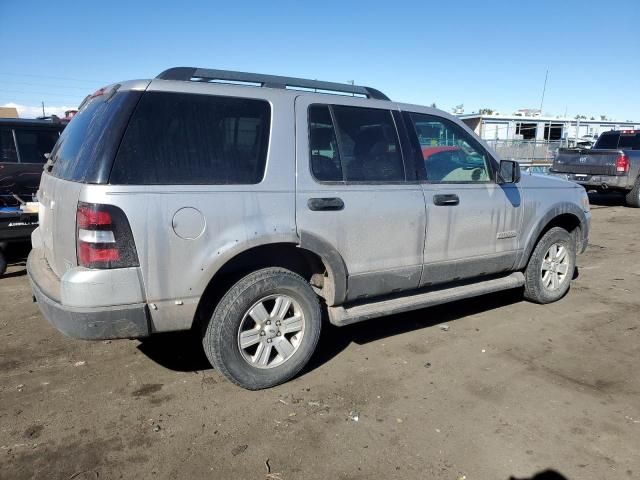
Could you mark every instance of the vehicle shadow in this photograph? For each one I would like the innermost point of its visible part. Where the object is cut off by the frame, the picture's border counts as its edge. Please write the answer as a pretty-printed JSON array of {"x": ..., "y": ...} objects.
[
  {"x": 182, "y": 351},
  {"x": 601, "y": 200},
  {"x": 544, "y": 475},
  {"x": 334, "y": 340},
  {"x": 16, "y": 256},
  {"x": 177, "y": 351}
]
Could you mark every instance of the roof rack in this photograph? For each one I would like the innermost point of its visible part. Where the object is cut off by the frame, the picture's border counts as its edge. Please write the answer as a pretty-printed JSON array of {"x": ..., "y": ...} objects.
[{"x": 269, "y": 81}]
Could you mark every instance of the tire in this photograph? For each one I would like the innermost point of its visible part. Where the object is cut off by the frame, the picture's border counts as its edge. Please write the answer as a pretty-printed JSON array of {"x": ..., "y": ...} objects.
[
  {"x": 633, "y": 197},
  {"x": 3, "y": 263},
  {"x": 551, "y": 284},
  {"x": 238, "y": 317}
]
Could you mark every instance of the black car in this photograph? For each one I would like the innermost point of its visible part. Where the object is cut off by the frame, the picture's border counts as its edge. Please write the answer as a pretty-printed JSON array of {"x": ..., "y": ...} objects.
[{"x": 23, "y": 144}]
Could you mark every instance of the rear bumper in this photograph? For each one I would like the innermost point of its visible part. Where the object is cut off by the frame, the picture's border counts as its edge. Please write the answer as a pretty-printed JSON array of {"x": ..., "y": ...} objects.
[
  {"x": 89, "y": 323},
  {"x": 602, "y": 181}
]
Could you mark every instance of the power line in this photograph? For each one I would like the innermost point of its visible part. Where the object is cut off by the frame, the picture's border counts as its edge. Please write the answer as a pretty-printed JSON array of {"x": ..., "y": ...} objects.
[
  {"x": 49, "y": 94},
  {"x": 75, "y": 87},
  {"x": 86, "y": 80}
]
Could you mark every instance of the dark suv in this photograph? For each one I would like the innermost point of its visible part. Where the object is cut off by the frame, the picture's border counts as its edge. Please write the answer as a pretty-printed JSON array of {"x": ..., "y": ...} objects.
[{"x": 23, "y": 144}]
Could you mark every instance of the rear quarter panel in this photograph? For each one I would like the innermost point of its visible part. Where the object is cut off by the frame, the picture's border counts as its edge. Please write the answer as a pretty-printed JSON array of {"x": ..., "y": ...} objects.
[{"x": 175, "y": 271}]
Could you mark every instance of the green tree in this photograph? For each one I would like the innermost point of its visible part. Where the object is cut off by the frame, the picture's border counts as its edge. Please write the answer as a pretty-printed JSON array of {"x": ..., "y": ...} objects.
[{"x": 486, "y": 111}]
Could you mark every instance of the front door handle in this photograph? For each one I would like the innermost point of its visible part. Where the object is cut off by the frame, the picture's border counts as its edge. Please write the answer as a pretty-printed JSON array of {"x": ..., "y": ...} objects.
[
  {"x": 447, "y": 199},
  {"x": 325, "y": 204}
]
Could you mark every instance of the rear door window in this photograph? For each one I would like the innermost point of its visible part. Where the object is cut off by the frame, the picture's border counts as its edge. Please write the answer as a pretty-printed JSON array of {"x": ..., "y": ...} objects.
[
  {"x": 176, "y": 138},
  {"x": 354, "y": 144},
  {"x": 33, "y": 144},
  {"x": 8, "y": 152}
]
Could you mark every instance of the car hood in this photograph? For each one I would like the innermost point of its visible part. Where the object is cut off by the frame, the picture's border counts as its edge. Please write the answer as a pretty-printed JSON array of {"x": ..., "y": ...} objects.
[{"x": 545, "y": 181}]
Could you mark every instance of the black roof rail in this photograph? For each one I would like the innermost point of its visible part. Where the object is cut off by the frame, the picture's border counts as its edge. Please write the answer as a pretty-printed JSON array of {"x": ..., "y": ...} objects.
[{"x": 269, "y": 81}]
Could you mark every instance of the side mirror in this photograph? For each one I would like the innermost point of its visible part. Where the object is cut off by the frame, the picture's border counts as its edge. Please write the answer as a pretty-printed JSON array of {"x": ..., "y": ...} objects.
[{"x": 509, "y": 172}]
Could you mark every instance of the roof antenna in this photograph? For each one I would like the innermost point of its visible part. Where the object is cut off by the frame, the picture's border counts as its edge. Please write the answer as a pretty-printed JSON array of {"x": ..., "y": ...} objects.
[{"x": 544, "y": 90}]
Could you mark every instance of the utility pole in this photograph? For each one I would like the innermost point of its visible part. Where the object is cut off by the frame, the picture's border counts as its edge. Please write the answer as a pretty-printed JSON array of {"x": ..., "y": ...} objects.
[
  {"x": 544, "y": 90},
  {"x": 43, "y": 110}
]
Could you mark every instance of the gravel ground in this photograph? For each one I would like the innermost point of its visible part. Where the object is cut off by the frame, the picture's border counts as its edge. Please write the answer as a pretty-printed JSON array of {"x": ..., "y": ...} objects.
[{"x": 510, "y": 389}]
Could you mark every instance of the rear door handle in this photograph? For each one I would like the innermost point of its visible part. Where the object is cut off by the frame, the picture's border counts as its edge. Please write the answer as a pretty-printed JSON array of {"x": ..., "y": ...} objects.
[
  {"x": 325, "y": 204},
  {"x": 447, "y": 199}
]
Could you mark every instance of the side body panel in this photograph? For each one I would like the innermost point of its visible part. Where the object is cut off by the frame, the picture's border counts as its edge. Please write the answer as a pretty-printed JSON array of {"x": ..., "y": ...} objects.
[
  {"x": 380, "y": 231},
  {"x": 479, "y": 236}
]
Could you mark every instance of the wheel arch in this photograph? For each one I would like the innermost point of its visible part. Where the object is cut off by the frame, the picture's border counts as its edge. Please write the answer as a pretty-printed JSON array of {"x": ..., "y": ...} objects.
[
  {"x": 565, "y": 215},
  {"x": 312, "y": 258}
]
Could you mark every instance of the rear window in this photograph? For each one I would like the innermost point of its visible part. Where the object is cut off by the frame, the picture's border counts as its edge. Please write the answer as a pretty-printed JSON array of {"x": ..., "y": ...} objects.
[
  {"x": 177, "y": 138},
  {"x": 607, "y": 141},
  {"x": 629, "y": 141},
  {"x": 7, "y": 146},
  {"x": 33, "y": 144},
  {"x": 87, "y": 146}
]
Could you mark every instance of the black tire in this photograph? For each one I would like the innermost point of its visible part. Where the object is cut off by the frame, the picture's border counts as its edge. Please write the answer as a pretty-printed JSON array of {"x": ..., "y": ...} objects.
[
  {"x": 3, "y": 263},
  {"x": 535, "y": 289},
  {"x": 633, "y": 197},
  {"x": 220, "y": 336}
]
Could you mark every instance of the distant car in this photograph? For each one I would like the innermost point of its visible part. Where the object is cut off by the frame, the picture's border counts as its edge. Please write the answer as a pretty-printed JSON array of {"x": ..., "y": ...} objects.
[
  {"x": 613, "y": 164},
  {"x": 23, "y": 145}
]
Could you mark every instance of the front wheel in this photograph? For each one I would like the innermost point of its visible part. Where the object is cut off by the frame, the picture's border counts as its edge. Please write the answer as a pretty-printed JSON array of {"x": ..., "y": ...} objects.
[
  {"x": 551, "y": 266},
  {"x": 264, "y": 330}
]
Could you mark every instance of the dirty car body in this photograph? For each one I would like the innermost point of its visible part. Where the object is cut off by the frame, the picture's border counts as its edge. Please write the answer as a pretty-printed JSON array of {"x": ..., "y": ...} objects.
[{"x": 138, "y": 235}]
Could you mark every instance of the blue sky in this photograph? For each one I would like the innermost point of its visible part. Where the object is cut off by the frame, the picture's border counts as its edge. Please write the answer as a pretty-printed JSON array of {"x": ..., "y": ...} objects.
[{"x": 477, "y": 53}]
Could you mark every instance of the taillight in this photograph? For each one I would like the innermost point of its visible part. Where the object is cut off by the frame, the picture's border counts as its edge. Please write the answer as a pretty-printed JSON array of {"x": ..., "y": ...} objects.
[
  {"x": 622, "y": 164},
  {"x": 104, "y": 238}
]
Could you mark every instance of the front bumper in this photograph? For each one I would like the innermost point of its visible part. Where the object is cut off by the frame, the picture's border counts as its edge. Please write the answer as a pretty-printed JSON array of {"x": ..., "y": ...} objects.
[{"x": 89, "y": 323}]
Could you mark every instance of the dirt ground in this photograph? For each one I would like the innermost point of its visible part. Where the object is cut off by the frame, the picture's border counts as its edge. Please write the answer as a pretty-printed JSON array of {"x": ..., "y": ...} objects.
[{"x": 510, "y": 389}]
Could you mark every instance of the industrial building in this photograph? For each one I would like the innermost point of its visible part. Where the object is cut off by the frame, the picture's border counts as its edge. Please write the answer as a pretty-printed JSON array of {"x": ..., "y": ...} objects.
[{"x": 537, "y": 128}]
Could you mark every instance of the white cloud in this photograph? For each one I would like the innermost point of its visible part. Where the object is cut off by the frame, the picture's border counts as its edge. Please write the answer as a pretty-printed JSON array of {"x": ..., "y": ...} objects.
[{"x": 27, "y": 111}]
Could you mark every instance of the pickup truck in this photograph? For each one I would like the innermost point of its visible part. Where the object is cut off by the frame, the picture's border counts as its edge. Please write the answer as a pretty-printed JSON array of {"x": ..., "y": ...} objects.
[{"x": 613, "y": 164}]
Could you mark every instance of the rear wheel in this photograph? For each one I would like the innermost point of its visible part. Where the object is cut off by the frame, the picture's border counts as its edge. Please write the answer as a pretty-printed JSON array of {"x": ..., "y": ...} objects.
[
  {"x": 551, "y": 266},
  {"x": 633, "y": 197},
  {"x": 264, "y": 330},
  {"x": 3, "y": 263}
]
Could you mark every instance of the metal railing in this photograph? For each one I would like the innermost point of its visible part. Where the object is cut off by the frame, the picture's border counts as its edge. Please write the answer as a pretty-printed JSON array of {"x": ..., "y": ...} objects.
[{"x": 527, "y": 151}]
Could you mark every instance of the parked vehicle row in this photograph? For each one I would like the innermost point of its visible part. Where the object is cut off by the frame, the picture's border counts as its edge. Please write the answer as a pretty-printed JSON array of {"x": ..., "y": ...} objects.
[{"x": 245, "y": 211}]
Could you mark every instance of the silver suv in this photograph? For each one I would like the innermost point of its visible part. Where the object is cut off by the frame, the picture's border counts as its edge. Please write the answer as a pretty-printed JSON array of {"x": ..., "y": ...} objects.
[{"x": 248, "y": 207}]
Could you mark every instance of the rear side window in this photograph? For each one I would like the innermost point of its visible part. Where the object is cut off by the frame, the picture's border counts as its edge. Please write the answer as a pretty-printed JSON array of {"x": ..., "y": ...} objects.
[
  {"x": 7, "y": 146},
  {"x": 607, "y": 141},
  {"x": 88, "y": 144},
  {"x": 176, "y": 138},
  {"x": 33, "y": 144},
  {"x": 354, "y": 144},
  {"x": 629, "y": 141}
]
